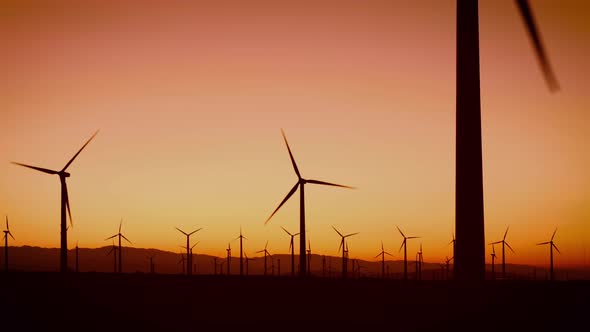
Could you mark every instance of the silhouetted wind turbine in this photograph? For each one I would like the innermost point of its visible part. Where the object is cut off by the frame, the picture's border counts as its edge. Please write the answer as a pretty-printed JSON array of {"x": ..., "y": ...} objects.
[
  {"x": 382, "y": 254},
  {"x": 551, "y": 246},
  {"x": 301, "y": 184},
  {"x": 191, "y": 255},
  {"x": 241, "y": 237},
  {"x": 503, "y": 241},
  {"x": 188, "y": 253},
  {"x": 292, "y": 248},
  {"x": 404, "y": 245},
  {"x": 493, "y": 254},
  {"x": 453, "y": 243},
  {"x": 77, "y": 261},
  {"x": 182, "y": 260},
  {"x": 247, "y": 259},
  {"x": 469, "y": 213},
  {"x": 152, "y": 269},
  {"x": 344, "y": 252},
  {"x": 114, "y": 251},
  {"x": 448, "y": 263},
  {"x": 265, "y": 254},
  {"x": 228, "y": 257},
  {"x": 120, "y": 249},
  {"x": 6, "y": 234},
  {"x": 65, "y": 203},
  {"x": 420, "y": 261}
]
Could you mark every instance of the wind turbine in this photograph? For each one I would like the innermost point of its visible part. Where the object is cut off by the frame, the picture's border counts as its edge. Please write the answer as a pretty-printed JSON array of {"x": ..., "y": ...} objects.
[
  {"x": 152, "y": 268},
  {"x": 382, "y": 254},
  {"x": 77, "y": 261},
  {"x": 120, "y": 249},
  {"x": 344, "y": 250},
  {"x": 114, "y": 251},
  {"x": 292, "y": 248},
  {"x": 191, "y": 254},
  {"x": 503, "y": 241},
  {"x": 65, "y": 203},
  {"x": 448, "y": 263},
  {"x": 188, "y": 235},
  {"x": 469, "y": 213},
  {"x": 493, "y": 255},
  {"x": 551, "y": 246},
  {"x": 6, "y": 234},
  {"x": 182, "y": 260},
  {"x": 241, "y": 237},
  {"x": 453, "y": 241},
  {"x": 301, "y": 185},
  {"x": 265, "y": 254},
  {"x": 247, "y": 259},
  {"x": 228, "y": 256},
  {"x": 420, "y": 261},
  {"x": 404, "y": 245}
]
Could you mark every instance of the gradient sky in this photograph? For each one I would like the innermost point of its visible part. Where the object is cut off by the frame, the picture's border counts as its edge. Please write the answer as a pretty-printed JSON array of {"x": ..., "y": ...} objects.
[{"x": 190, "y": 96}]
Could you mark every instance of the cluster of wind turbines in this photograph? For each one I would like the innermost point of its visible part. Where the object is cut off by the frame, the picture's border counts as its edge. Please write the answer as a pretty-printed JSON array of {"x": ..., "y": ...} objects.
[
  {"x": 469, "y": 255},
  {"x": 304, "y": 257}
]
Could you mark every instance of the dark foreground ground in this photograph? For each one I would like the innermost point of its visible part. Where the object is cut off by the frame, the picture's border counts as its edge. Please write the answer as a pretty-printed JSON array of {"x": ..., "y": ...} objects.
[{"x": 141, "y": 302}]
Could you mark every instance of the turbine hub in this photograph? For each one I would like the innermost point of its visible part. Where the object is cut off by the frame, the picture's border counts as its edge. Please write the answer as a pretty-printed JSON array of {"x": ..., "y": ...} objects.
[{"x": 64, "y": 174}]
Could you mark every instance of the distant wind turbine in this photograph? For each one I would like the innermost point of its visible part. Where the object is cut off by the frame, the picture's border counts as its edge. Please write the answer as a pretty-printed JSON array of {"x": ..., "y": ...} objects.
[
  {"x": 188, "y": 250},
  {"x": 344, "y": 252},
  {"x": 191, "y": 255},
  {"x": 119, "y": 235},
  {"x": 309, "y": 257},
  {"x": 77, "y": 255},
  {"x": 551, "y": 246},
  {"x": 65, "y": 203},
  {"x": 301, "y": 185},
  {"x": 382, "y": 254},
  {"x": 292, "y": 248},
  {"x": 228, "y": 257},
  {"x": 405, "y": 246},
  {"x": 469, "y": 212},
  {"x": 420, "y": 262},
  {"x": 493, "y": 255},
  {"x": 504, "y": 243},
  {"x": 6, "y": 234},
  {"x": 152, "y": 267},
  {"x": 241, "y": 237},
  {"x": 266, "y": 253},
  {"x": 114, "y": 251}
]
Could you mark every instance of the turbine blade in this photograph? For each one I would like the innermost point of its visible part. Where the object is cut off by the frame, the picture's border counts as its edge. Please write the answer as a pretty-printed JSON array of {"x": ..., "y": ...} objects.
[
  {"x": 388, "y": 254},
  {"x": 15, "y": 239},
  {"x": 328, "y": 184},
  {"x": 504, "y": 238},
  {"x": 77, "y": 153},
  {"x": 543, "y": 243},
  {"x": 286, "y": 231},
  {"x": 351, "y": 234},
  {"x": 290, "y": 244},
  {"x": 552, "y": 236},
  {"x": 509, "y": 247},
  {"x": 44, "y": 170},
  {"x": 291, "y": 155},
  {"x": 413, "y": 237},
  {"x": 108, "y": 238},
  {"x": 527, "y": 15},
  {"x": 400, "y": 247},
  {"x": 68, "y": 205},
  {"x": 379, "y": 254},
  {"x": 337, "y": 231},
  {"x": 554, "y": 246},
  {"x": 120, "y": 224},
  {"x": 400, "y": 231},
  {"x": 8, "y": 229},
  {"x": 382, "y": 245},
  {"x": 181, "y": 231},
  {"x": 283, "y": 202},
  {"x": 126, "y": 239},
  {"x": 341, "y": 244},
  {"x": 193, "y": 232}
]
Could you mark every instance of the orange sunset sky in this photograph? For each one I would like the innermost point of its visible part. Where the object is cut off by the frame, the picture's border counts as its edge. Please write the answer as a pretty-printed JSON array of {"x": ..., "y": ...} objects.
[{"x": 190, "y": 96}]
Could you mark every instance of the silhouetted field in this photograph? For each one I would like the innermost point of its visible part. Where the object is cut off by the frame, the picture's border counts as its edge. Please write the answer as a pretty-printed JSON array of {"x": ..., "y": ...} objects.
[{"x": 137, "y": 302}]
